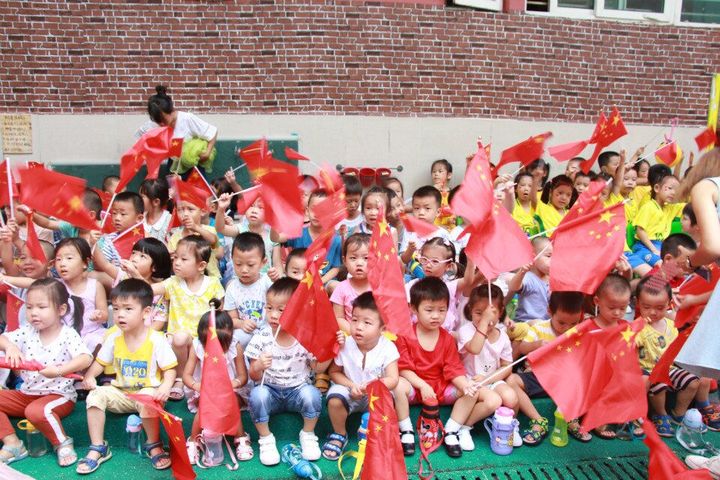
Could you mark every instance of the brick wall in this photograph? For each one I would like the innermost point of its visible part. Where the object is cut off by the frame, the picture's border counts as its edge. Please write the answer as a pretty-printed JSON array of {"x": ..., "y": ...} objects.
[{"x": 347, "y": 58}]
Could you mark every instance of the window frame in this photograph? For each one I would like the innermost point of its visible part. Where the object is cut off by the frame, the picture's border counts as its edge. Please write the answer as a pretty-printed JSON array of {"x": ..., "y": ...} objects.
[
  {"x": 492, "y": 5},
  {"x": 667, "y": 16}
]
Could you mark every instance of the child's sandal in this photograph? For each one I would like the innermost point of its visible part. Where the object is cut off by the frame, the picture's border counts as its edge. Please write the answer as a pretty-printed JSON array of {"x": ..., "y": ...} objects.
[
  {"x": 156, "y": 459},
  {"x": 91, "y": 463},
  {"x": 605, "y": 432},
  {"x": 243, "y": 448},
  {"x": 322, "y": 382},
  {"x": 10, "y": 454},
  {"x": 662, "y": 425},
  {"x": 66, "y": 454},
  {"x": 533, "y": 437},
  {"x": 332, "y": 451},
  {"x": 575, "y": 432}
]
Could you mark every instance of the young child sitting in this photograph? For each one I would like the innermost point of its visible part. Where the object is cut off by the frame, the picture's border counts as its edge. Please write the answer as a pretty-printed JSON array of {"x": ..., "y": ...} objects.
[
  {"x": 44, "y": 397},
  {"x": 689, "y": 222},
  {"x": 281, "y": 368},
  {"x": 192, "y": 377},
  {"x": 155, "y": 195},
  {"x": 366, "y": 355},
  {"x": 557, "y": 197},
  {"x": 192, "y": 225},
  {"x": 126, "y": 211},
  {"x": 355, "y": 257},
  {"x": 652, "y": 341},
  {"x": 432, "y": 373},
  {"x": 144, "y": 363},
  {"x": 353, "y": 195},
  {"x": 426, "y": 203},
  {"x": 531, "y": 282},
  {"x": 485, "y": 349},
  {"x": 566, "y": 311},
  {"x": 674, "y": 253},
  {"x": 295, "y": 264}
]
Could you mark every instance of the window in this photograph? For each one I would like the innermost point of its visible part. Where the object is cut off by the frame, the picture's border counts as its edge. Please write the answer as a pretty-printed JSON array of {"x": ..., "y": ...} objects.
[
  {"x": 495, "y": 5},
  {"x": 679, "y": 12}
]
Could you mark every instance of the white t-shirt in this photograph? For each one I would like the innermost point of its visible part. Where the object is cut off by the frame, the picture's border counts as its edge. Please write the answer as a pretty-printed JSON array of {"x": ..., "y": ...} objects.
[
  {"x": 351, "y": 225},
  {"x": 376, "y": 360},
  {"x": 65, "y": 347},
  {"x": 159, "y": 229},
  {"x": 488, "y": 360},
  {"x": 290, "y": 365},
  {"x": 187, "y": 126},
  {"x": 248, "y": 300},
  {"x": 419, "y": 242}
]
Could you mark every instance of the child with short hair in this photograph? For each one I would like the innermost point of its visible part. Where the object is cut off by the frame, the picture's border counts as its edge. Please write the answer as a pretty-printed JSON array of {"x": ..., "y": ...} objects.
[
  {"x": 355, "y": 258},
  {"x": 566, "y": 311},
  {"x": 191, "y": 217},
  {"x": 573, "y": 167},
  {"x": 426, "y": 202},
  {"x": 192, "y": 377},
  {"x": 689, "y": 222},
  {"x": 296, "y": 264},
  {"x": 126, "y": 211},
  {"x": 652, "y": 341},
  {"x": 652, "y": 224},
  {"x": 365, "y": 355},
  {"x": 144, "y": 364},
  {"x": 155, "y": 195},
  {"x": 431, "y": 370},
  {"x": 557, "y": 197},
  {"x": 609, "y": 162},
  {"x": 281, "y": 368},
  {"x": 189, "y": 292},
  {"x": 110, "y": 183},
  {"x": 371, "y": 203},
  {"x": 674, "y": 252},
  {"x": 246, "y": 292},
  {"x": 532, "y": 283},
  {"x": 353, "y": 195},
  {"x": 582, "y": 180},
  {"x": 45, "y": 396}
]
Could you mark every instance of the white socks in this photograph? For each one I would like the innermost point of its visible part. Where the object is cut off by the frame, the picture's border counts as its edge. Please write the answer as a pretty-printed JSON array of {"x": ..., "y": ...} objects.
[
  {"x": 406, "y": 425},
  {"x": 452, "y": 426}
]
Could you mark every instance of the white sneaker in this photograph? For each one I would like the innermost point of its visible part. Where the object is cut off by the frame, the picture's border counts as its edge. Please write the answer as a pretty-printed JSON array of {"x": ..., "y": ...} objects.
[
  {"x": 697, "y": 462},
  {"x": 269, "y": 454},
  {"x": 192, "y": 451},
  {"x": 517, "y": 439},
  {"x": 309, "y": 446},
  {"x": 466, "y": 441}
]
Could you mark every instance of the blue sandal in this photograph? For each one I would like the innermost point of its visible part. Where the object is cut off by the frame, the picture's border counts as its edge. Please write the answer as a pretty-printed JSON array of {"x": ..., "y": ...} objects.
[
  {"x": 155, "y": 459},
  {"x": 662, "y": 425},
  {"x": 105, "y": 455},
  {"x": 331, "y": 447}
]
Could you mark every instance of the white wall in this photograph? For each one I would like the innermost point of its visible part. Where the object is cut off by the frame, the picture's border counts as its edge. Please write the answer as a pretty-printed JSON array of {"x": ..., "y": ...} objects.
[{"x": 349, "y": 140}]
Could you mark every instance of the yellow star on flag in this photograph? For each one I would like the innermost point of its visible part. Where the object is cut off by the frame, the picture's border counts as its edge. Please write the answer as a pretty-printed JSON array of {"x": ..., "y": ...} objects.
[
  {"x": 616, "y": 119},
  {"x": 383, "y": 227},
  {"x": 571, "y": 331},
  {"x": 215, "y": 359},
  {"x": 75, "y": 203},
  {"x": 308, "y": 279},
  {"x": 627, "y": 335},
  {"x": 606, "y": 217},
  {"x": 371, "y": 402},
  {"x": 213, "y": 333},
  {"x": 378, "y": 428}
]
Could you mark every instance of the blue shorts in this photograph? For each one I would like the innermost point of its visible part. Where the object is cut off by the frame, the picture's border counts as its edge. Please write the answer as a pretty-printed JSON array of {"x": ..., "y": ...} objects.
[
  {"x": 641, "y": 255},
  {"x": 265, "y": 400}
]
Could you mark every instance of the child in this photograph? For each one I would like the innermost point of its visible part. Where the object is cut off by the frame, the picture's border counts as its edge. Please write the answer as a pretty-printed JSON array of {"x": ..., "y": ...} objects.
[
  {"x": 573, "y": 167},
  {"x": 110, "y": 183},
  {"x": 191, "y": 218},
  {"x": 394, "y": 215},
  {"x": 127, "y": 210},
  {"x": 353, "y": 194},
  {"x": 485, "y": 349},
  {"x": 296, "y": 264},
  {"x": 557, "y": 196},
  {"x": 441, "y": 173},
  {"x": 689, "y": 222},
  {"x": 192, "y": 377},
  {"x": 72, "y": 258},
  {"x": 145, "y": 364},
  {"x": 188, "y": 292},
  {"x": 642, "y": 168},
  {"x": 355, "y": 258},
  {"x": 523, "y": 211},
  {"x": 396, "y": 186},
  {"x": 371, "y": 203},
  {"x": 91, "y": 201},
  {"x": 566, "y": 311},
  {"x": 155, "y": 195},
  {"x": 365, "y": 356},
  {"x": 674, "y": 259},
  {"x": 531, "y": 282},
  {"x": 609, "y": 162},
  {"x": 582, "y": 180},
  {"x": 652, "y": 341},
  {"x": 245, "y": 295},
  {"x": 431, "y": 370},
  {"x": 426, "y": 203},
  {"x": 44, "y": 397},
  {"x": 310, "y": 232},
  {"x": 282, "y": 368},
  {"x": 652, "y": 224}
]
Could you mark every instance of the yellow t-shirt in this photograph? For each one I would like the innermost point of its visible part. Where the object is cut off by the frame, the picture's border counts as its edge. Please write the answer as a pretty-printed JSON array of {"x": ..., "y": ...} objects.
[
  {"x": 187, "y": 307},
  {"x": 140, "y": 368},
  {"x": 525, "y": 218},
  {"x": 443, "y": 220},
  {"x": 652, "y": 344},
  {"x": 540, "y": 331},
  {"x": 548, "y": 216},
  {"x": 640, "y": 195},
  {"x": 212, "y": 267},
  {"x": 657, "y": 220}
]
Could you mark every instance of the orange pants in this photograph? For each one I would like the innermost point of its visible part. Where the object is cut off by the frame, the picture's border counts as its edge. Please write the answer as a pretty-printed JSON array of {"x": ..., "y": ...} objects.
[{"x": 44, "y": 412}]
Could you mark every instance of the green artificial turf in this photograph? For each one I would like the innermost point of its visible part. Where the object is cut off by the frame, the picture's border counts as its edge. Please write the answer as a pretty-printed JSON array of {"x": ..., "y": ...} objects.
[{"x": 600, "y": 459}]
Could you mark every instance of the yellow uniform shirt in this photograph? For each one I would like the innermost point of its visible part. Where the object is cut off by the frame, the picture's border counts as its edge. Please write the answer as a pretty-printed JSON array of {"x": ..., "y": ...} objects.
[
  {"x": 525, "y": 218},
  {"x": 652, "y": 344},
  {"x": 657, "y": 220},
  {"x": 640, "y": 196},
  {"x": 548, "y": 216},
  {"x": 540, "y": 331},
  {"x": 187, "y": 307}
]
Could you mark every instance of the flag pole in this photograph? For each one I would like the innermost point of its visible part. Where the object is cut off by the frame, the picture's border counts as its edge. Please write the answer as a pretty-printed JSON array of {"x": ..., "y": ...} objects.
[
  {"x": 277, "y": 332},
  {"x": 10, "y": 189},
  {"x": 476, "y": 385}
]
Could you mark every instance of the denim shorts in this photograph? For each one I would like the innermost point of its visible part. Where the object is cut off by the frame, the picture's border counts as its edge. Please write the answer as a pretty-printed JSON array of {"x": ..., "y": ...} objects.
[{"x": 266, "y": 400}]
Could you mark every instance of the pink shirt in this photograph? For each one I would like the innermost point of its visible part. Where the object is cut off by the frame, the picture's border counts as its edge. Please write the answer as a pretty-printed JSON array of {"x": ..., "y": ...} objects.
[
  {"x": 488, "y": 360},
  {"x": 344, "y": 294}
]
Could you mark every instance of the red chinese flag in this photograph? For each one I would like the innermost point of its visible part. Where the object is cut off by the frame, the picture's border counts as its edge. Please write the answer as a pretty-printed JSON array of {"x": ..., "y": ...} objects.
[
  {"x": 610, "y": 130},
  {"x": 284, "y": 210},
  {"x": 421, "y": 227},
  {"x": 386, "y": 280},
  {"x": 174, "y": 220},
  {"x": 661, "y": 372},
  {"x": 663, "y": 464},
  {"x": 594, "y": 239},
  {"x": 181, "y": 468},
  {"x": 331, "y": 210},
  {"x": 524, "y": 152},
  {"x": 187, "y": 192},
  {"x": 475, "y": 197},
  {"x": 330, "y": 179},
  {"x": 4, "y": 189},
  {"x": 130, "y": 164},
  {"x": 32, "y": 164},
  {"x": 706, "y": 139},
  {"x": 566, "y": 151},
  {"x": 33, "y": 242},
  {"x": 198, "y": 181},
  {"x": 151, "y": 149},
  {"x": 255, "y": 152},
  {"x": 57, "y": 195},
  {"x": 126, "y": 240},
  {"x": 260, "y": 162},
  {"x": 219, "y": 411},
  {"x": 383, "y": 454},
  {"x": 668, "y": 154},
  {"x": 624, "y": 398},
  {"x": 489, "y": 243},
  {"x": 696, "y": 285},
  {"x": 309, "y": 316},
  {"x": 318, "y": 249},
  {"x": 12, "y": 312},
  {"x": 247, "y": 198},
  {"x": 291, "y": 154},
  {"x": 105, "y": 197}
]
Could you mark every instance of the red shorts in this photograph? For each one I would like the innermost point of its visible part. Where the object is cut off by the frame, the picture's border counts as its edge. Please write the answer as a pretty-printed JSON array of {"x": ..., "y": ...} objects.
[{"x": 448, "y": 397}]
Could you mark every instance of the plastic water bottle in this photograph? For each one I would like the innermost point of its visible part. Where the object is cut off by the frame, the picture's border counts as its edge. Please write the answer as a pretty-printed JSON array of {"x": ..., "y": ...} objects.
[
  {"x": 292, "y": 456},
  {"x": 133, "y": 427},
  {"x": 690, "y": 434},
  {"x": 214, "y": 454},
  {"x": 559, "y": 436},
  {"x": 35, "y": 442},
  {"x": 362, "y": 430}
]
